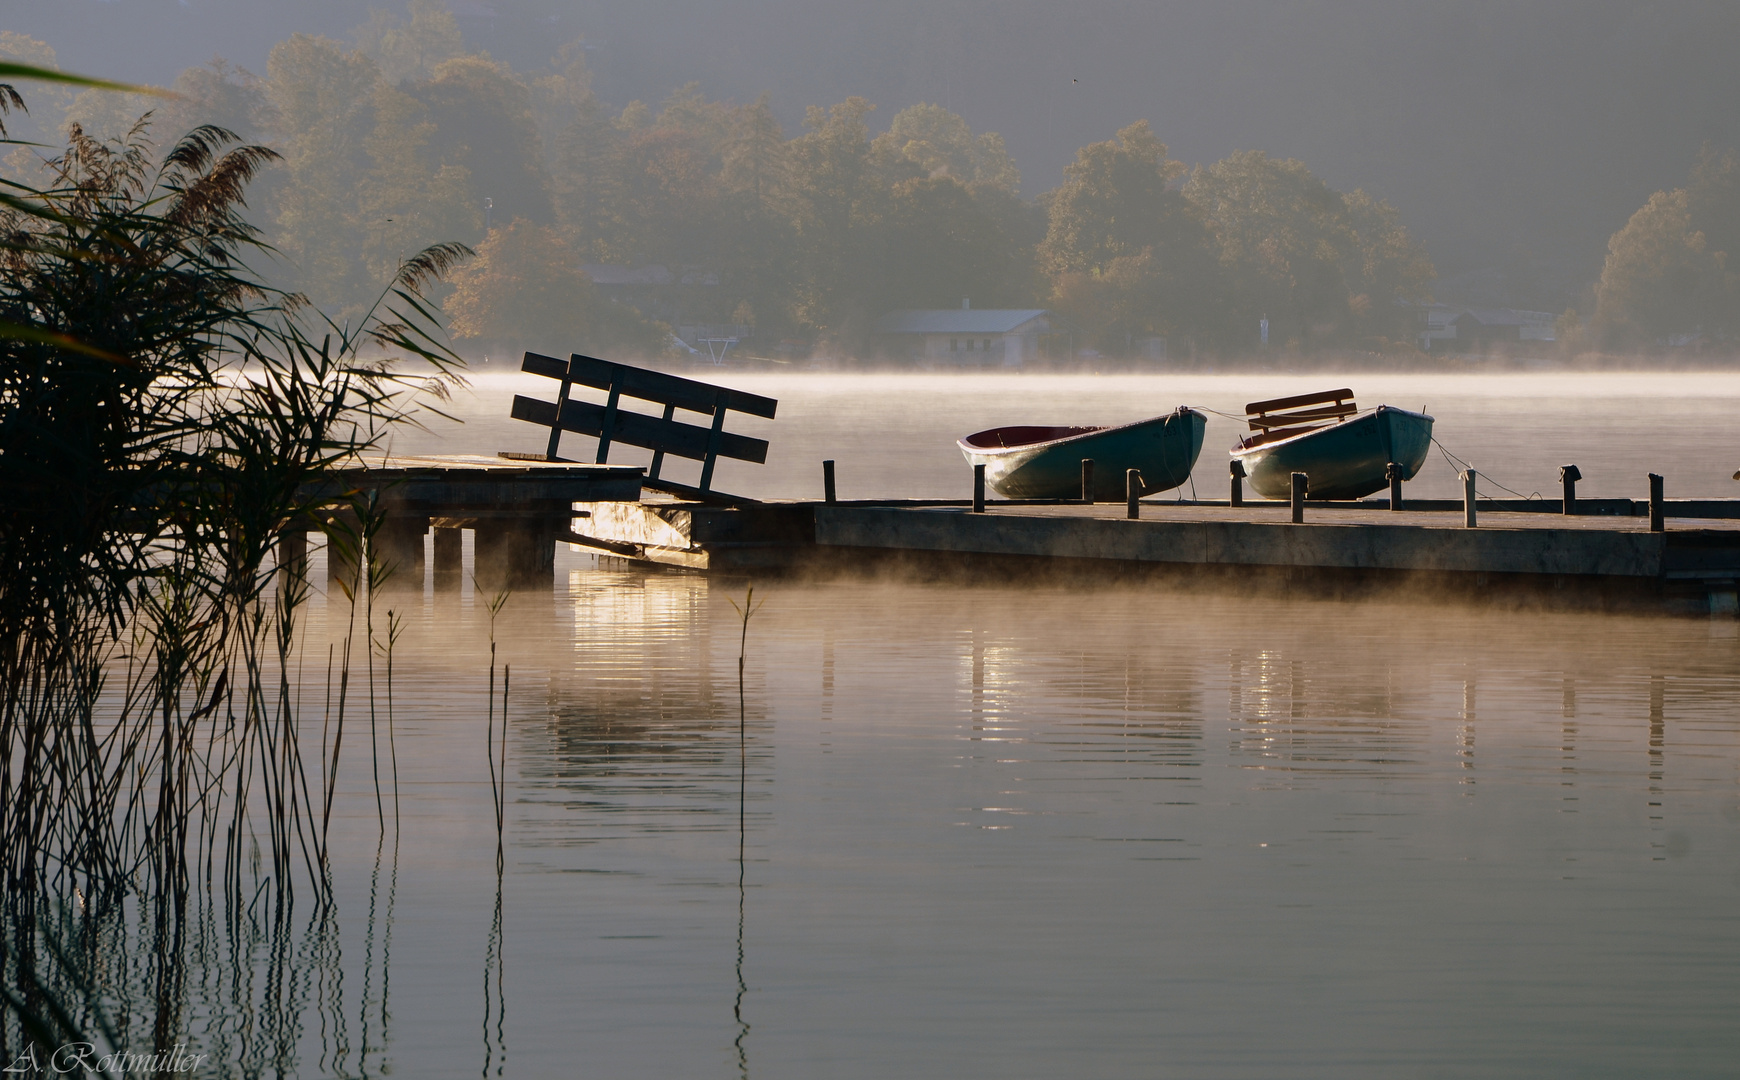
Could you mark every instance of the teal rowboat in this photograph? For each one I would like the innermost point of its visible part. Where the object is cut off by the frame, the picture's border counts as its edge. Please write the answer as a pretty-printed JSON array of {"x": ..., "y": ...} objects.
[
  {"x": 1345, "y": 460},
  {"x": 1029, "y": 462}
]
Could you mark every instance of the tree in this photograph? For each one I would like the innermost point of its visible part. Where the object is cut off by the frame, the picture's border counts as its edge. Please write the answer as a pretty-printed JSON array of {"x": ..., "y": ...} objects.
[
  {"x": 842, "y": 207},
  {"x": 758, "y": 265},
  {"x": 483, "y": 122},
  {"x": 323, "y": 102},
  {"x": 1116, "y": 199},
  {"x": 409, "y": 198},
  {"x": 940, "y": 246},
  {"x": 413, "y": 49},
  {"x": 938, "y": 143},
  {"x": 526, "y": 289},
  {"x": 1285, "y": 243},
  {"x": 1391, "y": 271},
  {"x": 1126, "y": 253},
  {"x": 1660, "y": 277}
]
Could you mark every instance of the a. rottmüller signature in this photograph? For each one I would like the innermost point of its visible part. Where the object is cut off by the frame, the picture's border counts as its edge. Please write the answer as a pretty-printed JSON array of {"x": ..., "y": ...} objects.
[{"x": 82, "y": 1059}]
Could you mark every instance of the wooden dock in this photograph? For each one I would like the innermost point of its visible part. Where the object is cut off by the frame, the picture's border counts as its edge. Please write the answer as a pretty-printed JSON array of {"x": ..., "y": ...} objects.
[
  {"x": 518, "y": 510},
  {"x": 1606, "y": 554}
]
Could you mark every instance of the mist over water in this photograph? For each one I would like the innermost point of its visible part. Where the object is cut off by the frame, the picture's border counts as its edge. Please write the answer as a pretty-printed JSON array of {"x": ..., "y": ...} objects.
[
  {"x": 893, "y": 435},
  {"x": 993, "y": 831}
]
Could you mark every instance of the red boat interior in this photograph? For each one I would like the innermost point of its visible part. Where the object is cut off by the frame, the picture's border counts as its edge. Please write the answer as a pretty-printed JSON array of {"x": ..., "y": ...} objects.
[{"x": 1005, "y": 437}]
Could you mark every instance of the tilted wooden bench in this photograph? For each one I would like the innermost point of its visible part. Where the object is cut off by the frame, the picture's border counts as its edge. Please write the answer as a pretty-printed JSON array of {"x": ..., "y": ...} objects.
[
  {"x": 1283, "y": 418},
  {"x": 612, "y": 423},
  {"x": 1300, "y": 409}
]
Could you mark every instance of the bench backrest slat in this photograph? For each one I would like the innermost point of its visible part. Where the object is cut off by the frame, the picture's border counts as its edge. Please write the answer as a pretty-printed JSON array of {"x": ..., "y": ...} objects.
[
  {"x": 647, "y": 385},
  {"x": 637, "y": 429},
  {"x": 1302, "y": 416},
  {"x": 613, "y": 423},
  {"x": 1277, "y": 404}
]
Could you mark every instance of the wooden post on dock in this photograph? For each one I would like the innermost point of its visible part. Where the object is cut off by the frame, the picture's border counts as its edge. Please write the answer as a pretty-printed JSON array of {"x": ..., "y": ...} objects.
[
  {"x": 1393, "y": 472},
  {"x": 1237, "y": 468},
  {"x": 978, "y": 489},
  {"x": 1468, "y": 511},
  {"x": 1087, "y": 480},
  {"x": 1568, "y": 476},
  {"x": 1657, "y": 505},
  {"x": 828, "y": 482},
  {"x": 1133, "y": 493},
  {"x": 1299, "y": 485}
]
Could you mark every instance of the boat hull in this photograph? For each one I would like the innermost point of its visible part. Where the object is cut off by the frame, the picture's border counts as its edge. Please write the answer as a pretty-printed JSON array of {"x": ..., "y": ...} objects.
[
  {"x": 1341, "y": 461},
  {"x": 1163, "y": 449}
]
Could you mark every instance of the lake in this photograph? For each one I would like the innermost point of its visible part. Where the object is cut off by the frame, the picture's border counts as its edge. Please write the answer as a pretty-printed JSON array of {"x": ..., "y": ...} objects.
[{"x": 978, "y": 830}]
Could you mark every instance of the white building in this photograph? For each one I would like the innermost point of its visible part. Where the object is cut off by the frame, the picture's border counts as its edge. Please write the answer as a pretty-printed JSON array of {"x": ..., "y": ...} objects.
[{"x": 989, "y": 337}]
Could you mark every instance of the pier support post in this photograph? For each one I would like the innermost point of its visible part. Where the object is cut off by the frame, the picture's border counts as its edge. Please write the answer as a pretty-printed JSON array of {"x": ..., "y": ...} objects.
[
  {"x": 449, "y": 558},
  {"x": 1133, "y": 493},
  {"x": 1568, "y": 476},
  {"x": 396, "y": 554},
  {"x": 514, "y": 555},
  {"x": 1468, "y": 499},
  {"x": 828, "y": 482},
  {"x": 1087, "y": 480},
  {"x": 343, "y": 539},
  {"x": 1237, "y": 468},
  {"x": 978, "y": 489},
  {"x": 1300, "y": 482},
  {"x": 1657, "y": 505},
  {"x": 292, "y": 556},
  {"x": 1393, "y": 472}
]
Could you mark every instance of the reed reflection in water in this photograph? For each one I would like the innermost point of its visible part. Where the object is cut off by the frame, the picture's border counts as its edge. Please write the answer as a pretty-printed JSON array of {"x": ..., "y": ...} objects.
[{"x": 1012, "y": 832}]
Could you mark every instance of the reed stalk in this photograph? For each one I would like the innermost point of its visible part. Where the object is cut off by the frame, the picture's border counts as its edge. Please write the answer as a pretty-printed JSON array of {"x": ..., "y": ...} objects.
[{"x": 166, "y": 422}]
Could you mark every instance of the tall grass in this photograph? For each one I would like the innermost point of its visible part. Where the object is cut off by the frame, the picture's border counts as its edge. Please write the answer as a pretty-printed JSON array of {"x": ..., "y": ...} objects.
[{"x": 166, "y": 421}]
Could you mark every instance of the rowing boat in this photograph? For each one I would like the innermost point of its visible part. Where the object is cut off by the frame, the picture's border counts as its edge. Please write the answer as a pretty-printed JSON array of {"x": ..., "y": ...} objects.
[
  {"x": 1347, "y": 458},
  {"x": 1032, "y": 462}
]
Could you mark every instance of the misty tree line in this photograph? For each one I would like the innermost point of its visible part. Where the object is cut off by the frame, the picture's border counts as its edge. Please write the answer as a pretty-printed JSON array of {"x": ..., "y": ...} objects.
[
  {"x": 397, "y": 139},
  {"x": 1672, "y": 274}
]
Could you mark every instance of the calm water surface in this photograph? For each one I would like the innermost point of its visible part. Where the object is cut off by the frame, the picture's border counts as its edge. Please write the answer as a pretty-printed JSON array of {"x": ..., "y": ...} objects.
[{"x": 989, "y": 831}]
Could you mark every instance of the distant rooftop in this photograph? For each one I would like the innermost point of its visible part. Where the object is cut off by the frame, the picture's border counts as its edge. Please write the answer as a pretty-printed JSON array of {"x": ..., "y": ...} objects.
[{"x": 957, "y": 320}]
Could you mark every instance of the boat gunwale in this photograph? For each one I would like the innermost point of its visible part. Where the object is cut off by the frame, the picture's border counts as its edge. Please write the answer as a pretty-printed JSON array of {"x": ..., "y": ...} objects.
[{"x": 1088, "y": 433}]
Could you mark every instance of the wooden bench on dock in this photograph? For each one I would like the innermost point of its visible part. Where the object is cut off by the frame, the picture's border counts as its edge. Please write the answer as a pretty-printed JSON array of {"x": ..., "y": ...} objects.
[
  {"x": 1280, "y": 418},
  {"x": 612, "y": 423}
]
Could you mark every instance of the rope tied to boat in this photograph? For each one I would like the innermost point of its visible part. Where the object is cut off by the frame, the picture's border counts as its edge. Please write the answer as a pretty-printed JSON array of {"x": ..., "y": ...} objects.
[{"x": 1462, "y": 466}]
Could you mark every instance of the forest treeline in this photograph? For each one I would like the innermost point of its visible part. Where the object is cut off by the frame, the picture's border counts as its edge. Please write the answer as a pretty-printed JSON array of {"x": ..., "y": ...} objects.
[{"x": 402, "y": 137}]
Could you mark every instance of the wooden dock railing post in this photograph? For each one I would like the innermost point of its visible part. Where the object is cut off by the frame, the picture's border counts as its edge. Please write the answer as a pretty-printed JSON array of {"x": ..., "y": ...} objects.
[
  {"x": 1237, "y": 468},
  {"x": 828, "y": 482},
  {"x": 1657, "y": 505},
  {"x": 1468, "y": 510},
  {"x": 1133, "y": 493},
  {"x": 978, "y": 489},
  {"x": 1087, "y": 480},
  {"x": 1568, "y": 476},
  {"x": 1393, "y": 472},
  {"x": 1300, "y": 482}
]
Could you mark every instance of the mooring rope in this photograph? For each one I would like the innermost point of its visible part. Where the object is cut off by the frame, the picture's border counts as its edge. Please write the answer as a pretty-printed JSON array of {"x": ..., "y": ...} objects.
[{"x": 1453, "y": 460}]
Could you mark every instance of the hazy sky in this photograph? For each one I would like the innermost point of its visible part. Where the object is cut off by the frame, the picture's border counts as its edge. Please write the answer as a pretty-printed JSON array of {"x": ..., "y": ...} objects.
[{"x": 1507, "y": 131}]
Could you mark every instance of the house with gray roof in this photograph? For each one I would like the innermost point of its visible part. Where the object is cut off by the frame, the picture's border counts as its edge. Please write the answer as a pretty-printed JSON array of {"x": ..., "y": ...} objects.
[{"x": 987, "y": 337}]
